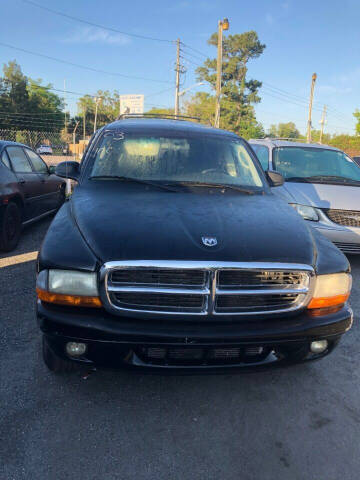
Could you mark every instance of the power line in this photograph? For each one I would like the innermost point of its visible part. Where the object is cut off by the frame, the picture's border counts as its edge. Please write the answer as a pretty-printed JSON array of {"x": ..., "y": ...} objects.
[
  {"x": 190, "y": 61},
  {"x": 98, "y": 25},
  {"x": 31, "y": 120},
  {"x": 302, "y": 99},
  {"x": 62, "y": 91},
  {"x": 158, "y": 93},
  {"x": 195, "y": 57},
  {"x": 32, "y": 114},
  {"x": 81, "y": 66},
  {"x": 193, "y": 49}
]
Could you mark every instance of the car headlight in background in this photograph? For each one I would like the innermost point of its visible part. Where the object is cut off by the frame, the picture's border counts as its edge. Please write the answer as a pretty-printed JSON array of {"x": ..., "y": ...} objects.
[
  {"x": 331, "y": 290},
  {"x": 308, "y": 213},
  {"x": 68, "y": 287}
]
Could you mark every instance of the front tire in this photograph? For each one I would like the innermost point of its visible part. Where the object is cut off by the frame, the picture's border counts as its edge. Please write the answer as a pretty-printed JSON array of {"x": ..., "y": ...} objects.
[
  {"x": 54, "y": 363},
  {"x": 10, "y": 229}
]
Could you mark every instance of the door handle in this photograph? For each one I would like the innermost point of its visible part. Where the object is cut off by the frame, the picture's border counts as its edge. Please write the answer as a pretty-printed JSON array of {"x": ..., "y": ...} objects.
[{"x": 22, "y": 181}]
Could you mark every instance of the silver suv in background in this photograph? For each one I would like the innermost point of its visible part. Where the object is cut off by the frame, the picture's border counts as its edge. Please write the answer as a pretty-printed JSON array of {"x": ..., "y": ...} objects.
[{"x": 322, "y": 183}]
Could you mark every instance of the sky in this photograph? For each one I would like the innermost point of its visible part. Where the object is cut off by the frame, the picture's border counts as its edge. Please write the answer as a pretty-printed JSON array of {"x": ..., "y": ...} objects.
[{"x": 301, "y": 38}]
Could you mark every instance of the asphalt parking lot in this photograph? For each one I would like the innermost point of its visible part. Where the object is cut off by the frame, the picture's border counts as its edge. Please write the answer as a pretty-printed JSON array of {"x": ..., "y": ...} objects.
[{"x": 298, "y": 423}]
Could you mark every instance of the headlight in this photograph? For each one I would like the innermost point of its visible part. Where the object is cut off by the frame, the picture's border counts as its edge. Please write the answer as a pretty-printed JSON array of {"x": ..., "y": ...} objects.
[
  {"x": 68, "y": 287},
  {"x": 331, "y": 290},
  {"x": 308, "y": 213}
]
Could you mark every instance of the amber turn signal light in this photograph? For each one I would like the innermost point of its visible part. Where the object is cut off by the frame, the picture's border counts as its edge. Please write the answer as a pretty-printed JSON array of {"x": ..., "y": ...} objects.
[
  {"x": 70, "y": 300},
  {"x": 325, "y": 302}
]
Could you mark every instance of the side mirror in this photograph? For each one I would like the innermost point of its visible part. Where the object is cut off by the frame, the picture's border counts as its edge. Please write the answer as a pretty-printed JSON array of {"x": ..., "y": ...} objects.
[
  {"x": 51, "y": 169},
  {"x": 275, "y": 178},
  {"x": 68, "y": 170}
]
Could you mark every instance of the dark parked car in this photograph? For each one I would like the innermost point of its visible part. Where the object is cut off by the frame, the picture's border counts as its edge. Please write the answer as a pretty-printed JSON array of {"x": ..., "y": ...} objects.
[
  {"x": 173, "y": 255},
  {"x": 29, "y": 190}
]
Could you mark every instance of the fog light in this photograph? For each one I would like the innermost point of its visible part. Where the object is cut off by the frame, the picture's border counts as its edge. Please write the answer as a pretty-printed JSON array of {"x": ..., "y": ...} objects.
[
  {"x": 319, "y": 346},
  {"x": 75, "y": 349}
]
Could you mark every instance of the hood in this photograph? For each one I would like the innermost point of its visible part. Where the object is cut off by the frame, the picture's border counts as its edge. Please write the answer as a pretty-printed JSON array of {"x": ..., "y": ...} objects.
[
  {"x": 342, "y": 197},
  {"x": 131, "y": 222}
]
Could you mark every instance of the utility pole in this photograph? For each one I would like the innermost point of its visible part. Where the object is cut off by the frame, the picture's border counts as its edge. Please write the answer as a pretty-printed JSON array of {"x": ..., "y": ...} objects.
[
  {"x": 222, "y": 25},
  {"x": 65, "y": 127},
  {"x": 68, "y": 181},
  {"x": 97, "y": 101},
  {"x": 308, "y": 134},
  {"x": 177, "y": 85},
  {"x": 84, "y": 123},
  {"x": 74, "y": 139},
  {"x": 322, "y": 123}
]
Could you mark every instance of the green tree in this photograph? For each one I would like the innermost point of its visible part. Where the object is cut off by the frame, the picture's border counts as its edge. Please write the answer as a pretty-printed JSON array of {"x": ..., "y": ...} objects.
[
  {"x": 315, "y": 137},
  {"x": 161, "y": 111},
  {"x": 284, "y": 130},
  {"x": 26, "y": 104},
  {"x": 239, "y": 94},
  {"x": 356, "y": 114},
  {"x": 108, "y": 109}
]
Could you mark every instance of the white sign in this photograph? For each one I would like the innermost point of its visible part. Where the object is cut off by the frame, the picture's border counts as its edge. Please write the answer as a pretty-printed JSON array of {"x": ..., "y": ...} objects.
[{"x": 131, "y": 104}]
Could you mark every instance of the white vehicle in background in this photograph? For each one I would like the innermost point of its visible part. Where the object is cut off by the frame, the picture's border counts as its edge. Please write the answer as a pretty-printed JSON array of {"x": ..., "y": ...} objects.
[
  {"x": 44, "y": 150},
  {"x": 322, "y": 183}
]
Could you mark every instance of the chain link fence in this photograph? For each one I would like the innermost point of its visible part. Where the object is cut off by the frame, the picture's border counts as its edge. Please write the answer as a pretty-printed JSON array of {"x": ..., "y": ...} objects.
[{"x": 34, "y": 139}]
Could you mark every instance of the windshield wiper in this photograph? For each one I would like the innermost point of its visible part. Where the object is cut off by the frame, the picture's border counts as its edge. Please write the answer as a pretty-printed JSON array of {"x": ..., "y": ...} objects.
[
  {"x": 215, "y": 185},
  {"x": 299, "y": 179},
  {"x": 322, "y": 178},
  {"x": 132, "y": 179},
  {"x": 335, "y": 177}
]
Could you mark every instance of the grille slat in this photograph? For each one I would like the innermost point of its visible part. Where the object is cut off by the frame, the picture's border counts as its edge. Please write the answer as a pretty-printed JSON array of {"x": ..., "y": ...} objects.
[
  {"x": 352, "y": 248},
  {"x": 219, "y": 355},
  {"x": 348, "y": 218},
  {"x": 261, "y": 302},
  {"x": 158, "y": 277},
  {"x": 147, "y": 300},
  {"x": 258, "y": 278}
]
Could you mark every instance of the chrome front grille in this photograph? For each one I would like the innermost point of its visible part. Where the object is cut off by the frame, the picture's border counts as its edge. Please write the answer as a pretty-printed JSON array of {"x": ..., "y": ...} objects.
[
  {"x": 348, "y": 218},
  {"x": 148, "y": 288}
]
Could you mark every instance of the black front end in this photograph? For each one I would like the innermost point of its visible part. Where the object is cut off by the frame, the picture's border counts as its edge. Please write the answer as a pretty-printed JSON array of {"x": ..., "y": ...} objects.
[{"x": 171, "y": 346}]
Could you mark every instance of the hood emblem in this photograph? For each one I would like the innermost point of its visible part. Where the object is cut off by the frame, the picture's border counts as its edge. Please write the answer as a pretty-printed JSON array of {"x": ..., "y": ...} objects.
[{"x": 209, "y": 241}]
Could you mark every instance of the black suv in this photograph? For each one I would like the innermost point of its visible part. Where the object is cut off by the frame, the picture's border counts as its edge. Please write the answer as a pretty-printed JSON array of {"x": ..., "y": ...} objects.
[
  {"x": 29, "y": 190},
  {"x": 174, "y": 255}
]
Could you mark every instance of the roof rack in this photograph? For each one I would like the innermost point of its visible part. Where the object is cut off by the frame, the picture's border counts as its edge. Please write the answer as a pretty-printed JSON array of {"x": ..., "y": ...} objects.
[{"x": 167, "y": 116}]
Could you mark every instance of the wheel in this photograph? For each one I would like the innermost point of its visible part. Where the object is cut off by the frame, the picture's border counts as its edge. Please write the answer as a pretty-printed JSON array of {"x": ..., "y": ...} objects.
[
  {"x": 10, "y": 227},
  {"x": 54, "y": 363}
]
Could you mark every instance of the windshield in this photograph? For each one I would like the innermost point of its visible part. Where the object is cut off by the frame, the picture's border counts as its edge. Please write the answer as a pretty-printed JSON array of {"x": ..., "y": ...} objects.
[
  {"x": 262, "y": 154},
  {"x": 194, "y": 159},
  {"x": 307, "y": 162}
]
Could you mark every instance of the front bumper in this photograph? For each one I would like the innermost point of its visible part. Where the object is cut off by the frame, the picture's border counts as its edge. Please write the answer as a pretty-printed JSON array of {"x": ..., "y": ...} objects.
[{"x": 120, "y": 342}]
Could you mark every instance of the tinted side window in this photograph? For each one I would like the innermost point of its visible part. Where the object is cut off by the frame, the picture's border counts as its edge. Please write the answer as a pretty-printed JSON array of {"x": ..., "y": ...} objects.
[
  {"x": 5, "y": 159},
  {"x": 19, "y": 160},
  {"x": 262, "y": 153},
  {"x": 38, "y": 164}
]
